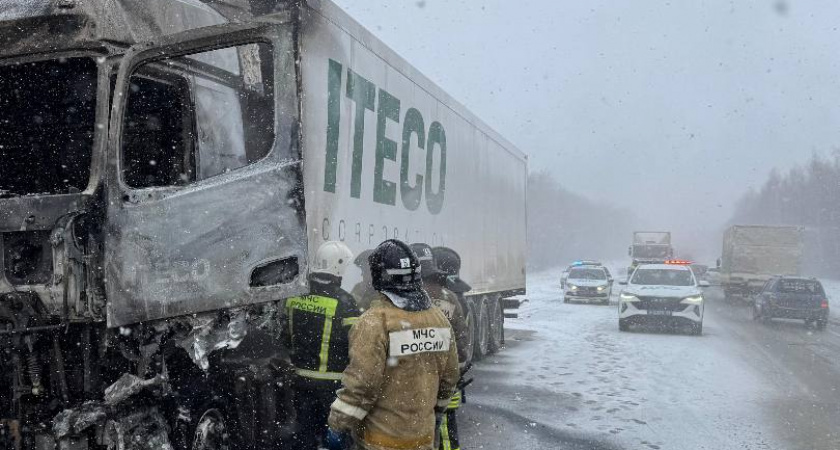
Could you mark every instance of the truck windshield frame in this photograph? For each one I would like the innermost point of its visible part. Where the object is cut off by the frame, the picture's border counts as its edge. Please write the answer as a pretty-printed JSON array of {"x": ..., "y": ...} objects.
[{"x": 48, "y": 109}]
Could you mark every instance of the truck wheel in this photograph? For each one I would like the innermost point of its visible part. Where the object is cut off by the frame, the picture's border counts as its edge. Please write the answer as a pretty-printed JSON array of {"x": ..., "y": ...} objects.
[
  {"x": 470, "y": 319},
  {"x": 482, "y": 330},
  {"x": 497, "y": 323},
  {"x": 821, "y": 324}
]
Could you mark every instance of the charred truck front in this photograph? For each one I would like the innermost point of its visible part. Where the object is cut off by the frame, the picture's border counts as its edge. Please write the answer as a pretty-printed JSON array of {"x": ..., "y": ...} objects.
[{"x": 151, "y": 215}]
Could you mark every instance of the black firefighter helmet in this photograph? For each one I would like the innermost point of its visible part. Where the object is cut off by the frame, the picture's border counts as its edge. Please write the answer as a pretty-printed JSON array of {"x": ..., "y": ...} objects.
[
  {"x": 396, "y": 272},
  {"x": 448, "y": 262},
  {"x": 427, "y": 260}
]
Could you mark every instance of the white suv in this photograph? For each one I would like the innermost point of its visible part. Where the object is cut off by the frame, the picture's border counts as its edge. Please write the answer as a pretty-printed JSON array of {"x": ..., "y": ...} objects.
[{"x": 662, "y": 294}]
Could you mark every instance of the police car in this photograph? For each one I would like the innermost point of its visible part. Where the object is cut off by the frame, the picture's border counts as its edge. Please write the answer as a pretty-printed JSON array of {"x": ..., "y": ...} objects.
[
  {"x": 585, "y": 262},
  {"x": 586, "y": 283},
  {"x": 663, "y": 294}
]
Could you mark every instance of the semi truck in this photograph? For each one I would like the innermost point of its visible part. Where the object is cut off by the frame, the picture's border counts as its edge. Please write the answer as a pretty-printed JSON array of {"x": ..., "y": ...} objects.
[
  {"x": 649, "y": 247},
  {"x": 752, "y": 254},
  {"x": 167, "y": 167}
]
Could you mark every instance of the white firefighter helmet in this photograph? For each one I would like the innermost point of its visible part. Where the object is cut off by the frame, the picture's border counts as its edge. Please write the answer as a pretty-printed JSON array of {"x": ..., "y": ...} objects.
[{"x": 332, "y": 258}]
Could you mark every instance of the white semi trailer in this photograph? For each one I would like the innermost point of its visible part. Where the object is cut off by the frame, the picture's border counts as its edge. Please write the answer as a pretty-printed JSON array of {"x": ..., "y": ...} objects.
[
  {"x": 752, "y": 254},
  {"x": 166, "y": 169}
]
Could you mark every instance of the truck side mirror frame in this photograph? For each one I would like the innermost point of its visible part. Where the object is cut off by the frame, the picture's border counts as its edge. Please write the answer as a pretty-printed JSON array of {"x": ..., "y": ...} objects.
[
  {"x": 630, "y": 251},
  {"x": 718, "y": 263}
]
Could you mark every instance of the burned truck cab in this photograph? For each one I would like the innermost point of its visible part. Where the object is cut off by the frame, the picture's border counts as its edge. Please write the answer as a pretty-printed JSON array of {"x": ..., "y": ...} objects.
[{"x": 151, "y": 216}]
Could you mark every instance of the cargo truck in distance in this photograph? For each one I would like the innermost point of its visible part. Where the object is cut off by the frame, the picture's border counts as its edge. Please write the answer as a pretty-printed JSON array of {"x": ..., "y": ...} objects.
[
  {"x": 752, "y": 254},
  {"x": 649, "y": 247},
  {"x": 166, "y": 169}
]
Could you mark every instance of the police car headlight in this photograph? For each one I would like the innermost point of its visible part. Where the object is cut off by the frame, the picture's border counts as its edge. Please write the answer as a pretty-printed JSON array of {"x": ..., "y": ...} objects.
[
  {"x": 572, "y": 287},
  {"x": 602, "y": 288},
  {"x": 693, "y": 300},
  {"x": 628, "y": 297}
]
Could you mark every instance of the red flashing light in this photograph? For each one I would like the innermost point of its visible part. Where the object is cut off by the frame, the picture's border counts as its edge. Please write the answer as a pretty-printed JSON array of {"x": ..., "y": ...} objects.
[
  {"x": 824, "y": 304},
  {"x": 678, "y": 262}
]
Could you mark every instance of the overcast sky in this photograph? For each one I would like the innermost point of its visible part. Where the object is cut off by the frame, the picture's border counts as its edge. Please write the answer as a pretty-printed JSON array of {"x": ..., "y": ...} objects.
[{"x": 673, "y": 108}]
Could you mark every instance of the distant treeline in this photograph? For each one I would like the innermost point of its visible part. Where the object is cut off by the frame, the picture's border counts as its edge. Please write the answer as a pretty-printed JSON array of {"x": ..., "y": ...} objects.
[
  {"x": 563, "y": 226},
  {"x": 807, "y": 195}
]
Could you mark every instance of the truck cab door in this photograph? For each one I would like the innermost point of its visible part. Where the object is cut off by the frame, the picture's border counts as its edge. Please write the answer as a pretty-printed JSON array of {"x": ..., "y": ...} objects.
[{"x": 204, "y": 183}]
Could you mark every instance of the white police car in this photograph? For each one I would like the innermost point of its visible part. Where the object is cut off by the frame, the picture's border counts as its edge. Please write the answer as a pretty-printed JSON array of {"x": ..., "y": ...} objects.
[
  {"x": 662, "y": 294},
  {"x": 585, "y": 262},
  {"x": 588, "y": 284}
]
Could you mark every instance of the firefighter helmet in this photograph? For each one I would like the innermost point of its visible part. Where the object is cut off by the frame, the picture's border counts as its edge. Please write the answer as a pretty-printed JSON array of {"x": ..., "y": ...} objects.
[
  {"x": 332, "y": 258},
  {"x": 447, "y": 260},
  {"x": 449, "y": 263},
  {"x": 427, "y": 259},
  {"x": 396, "y": 272}
]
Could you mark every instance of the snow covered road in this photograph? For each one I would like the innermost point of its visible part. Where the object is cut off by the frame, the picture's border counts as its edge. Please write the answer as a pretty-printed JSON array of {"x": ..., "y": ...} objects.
[{"x": 569, "y": 379}]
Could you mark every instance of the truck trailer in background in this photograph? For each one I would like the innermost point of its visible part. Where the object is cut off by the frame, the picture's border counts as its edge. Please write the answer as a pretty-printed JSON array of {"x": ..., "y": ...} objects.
[
  {"x": 752, "y": 254},
  {"x": 181, "y": 162},
  {"x": 649, "y": 247}
]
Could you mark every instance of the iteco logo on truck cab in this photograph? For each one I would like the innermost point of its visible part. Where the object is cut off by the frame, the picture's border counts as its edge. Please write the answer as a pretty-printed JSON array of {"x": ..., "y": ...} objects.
[{"x": 366, "y": 96}]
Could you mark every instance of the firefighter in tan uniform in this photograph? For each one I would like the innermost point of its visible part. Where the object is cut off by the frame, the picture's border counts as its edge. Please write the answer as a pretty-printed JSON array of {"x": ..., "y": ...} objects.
[
  {"x": 448, "y": 261},
  {"x": 435, "y": 281},
  {"x": 403, "y": 362}
]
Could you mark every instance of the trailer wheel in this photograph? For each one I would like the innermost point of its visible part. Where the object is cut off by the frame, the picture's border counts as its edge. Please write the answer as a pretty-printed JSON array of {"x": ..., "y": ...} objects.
[
  {"x": 482, "y": 330},
  {"x": 497, "y": 323}
]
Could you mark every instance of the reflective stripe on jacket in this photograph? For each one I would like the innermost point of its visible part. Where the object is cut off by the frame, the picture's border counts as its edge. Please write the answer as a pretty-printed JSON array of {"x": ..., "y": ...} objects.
[
  {"x": 318, "y": 328},
  {"x": 403, "y": 367}
]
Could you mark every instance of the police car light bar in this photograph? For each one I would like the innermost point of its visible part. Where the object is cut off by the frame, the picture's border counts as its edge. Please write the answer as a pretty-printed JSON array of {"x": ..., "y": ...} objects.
[
  {"x": 586, "y": 262},
  {"x": 678, "y": 262}
]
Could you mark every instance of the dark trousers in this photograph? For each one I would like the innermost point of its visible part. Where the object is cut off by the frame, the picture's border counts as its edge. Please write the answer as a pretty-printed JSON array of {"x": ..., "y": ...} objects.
[{"x": 312, "y": 406}]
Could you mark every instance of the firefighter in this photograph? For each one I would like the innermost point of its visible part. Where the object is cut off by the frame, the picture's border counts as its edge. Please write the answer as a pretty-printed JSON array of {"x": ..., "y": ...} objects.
[
  {"x": 403, "y": 364},
  {"x": 448, "y": 262},
  {"x": 317, "y": 325},
  {"x": 435, "y": 280}
]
